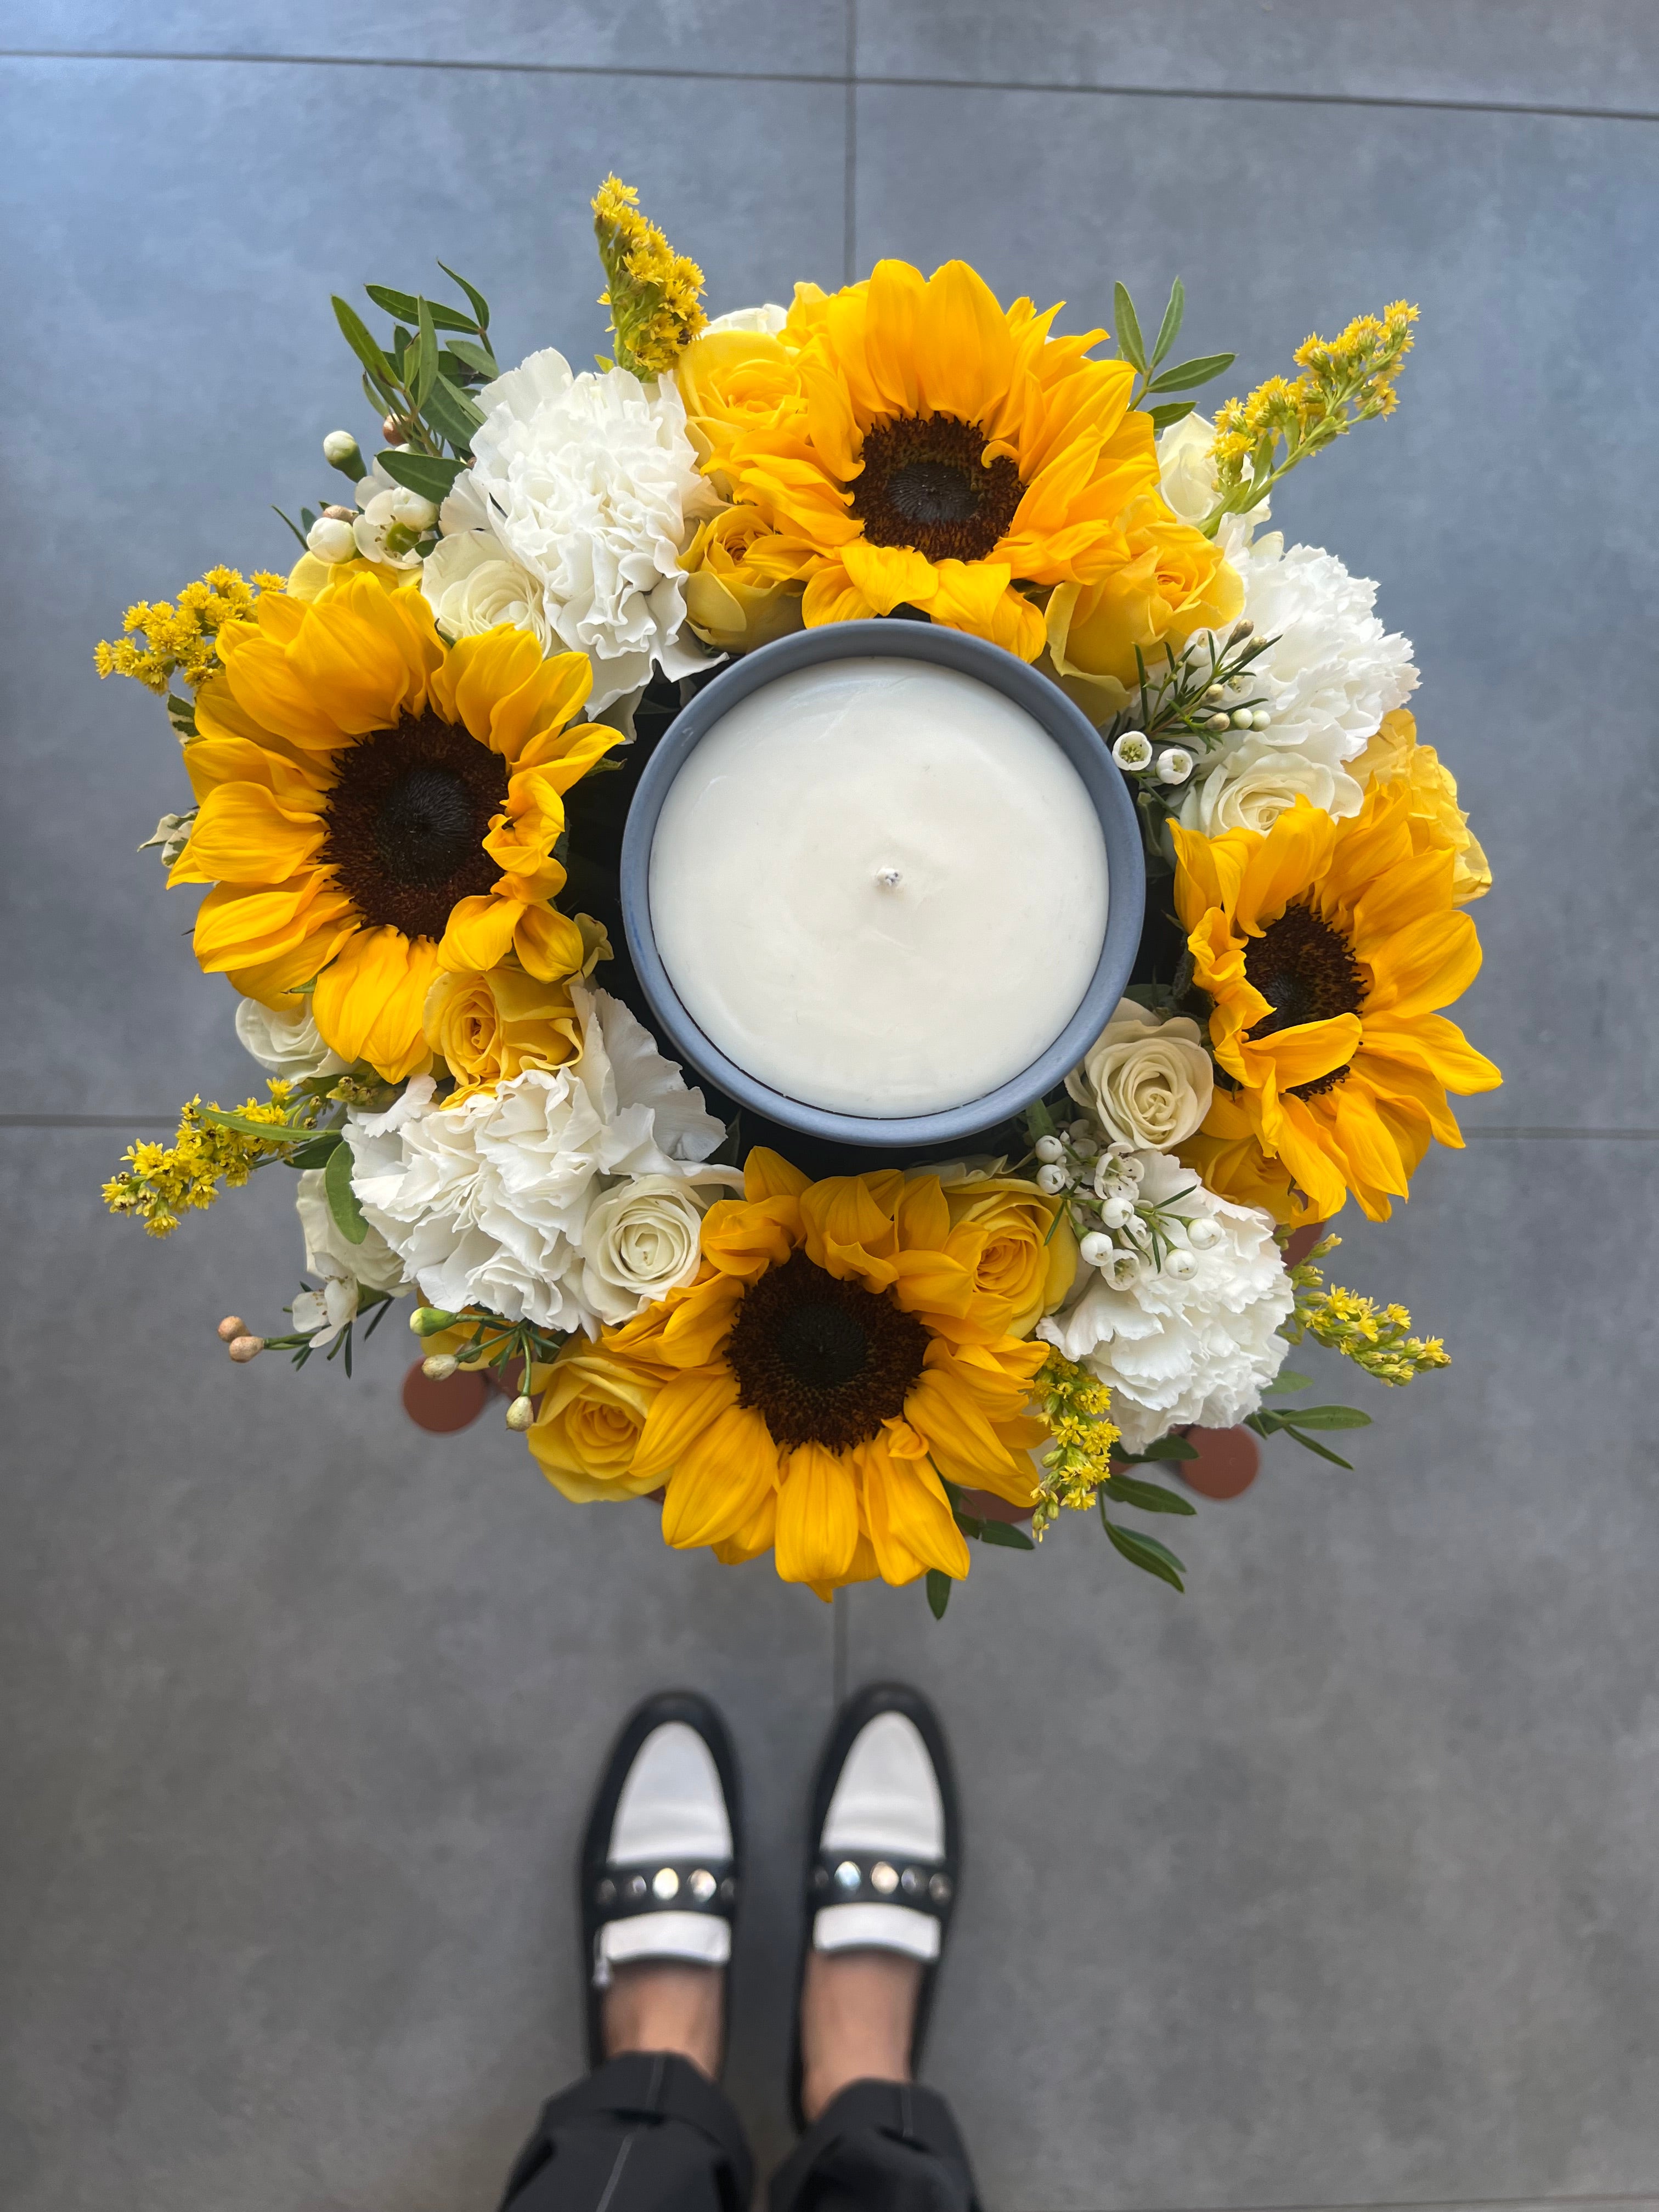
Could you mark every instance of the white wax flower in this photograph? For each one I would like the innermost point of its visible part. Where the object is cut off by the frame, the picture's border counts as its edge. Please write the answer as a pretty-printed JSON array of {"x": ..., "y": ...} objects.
[
  {"x": 472, "y": 586},
  {"x": 488, "y": 1201},
  {"x": 1147, "y": 1081},
  {"x": 1250, "y": 787},
  {"x": 343, "y": 1270},
  {"x": 393, "y": 517},
  {"x": 286, "y": 1043},
  {"x": 1180, "y": 1348},
  {"x": 591, "y": 485}
]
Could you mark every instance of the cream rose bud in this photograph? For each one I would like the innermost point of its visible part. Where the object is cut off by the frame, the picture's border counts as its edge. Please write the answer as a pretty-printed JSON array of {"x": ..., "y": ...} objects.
[
  {"x": 331, "y": 539},
  {"x": 640, "y": 1238},
  {"x": 1147, "y": 1082},
  {"x": 472, "y": 586},
  {"x": 1186, "y": 475},
  {"x": 1250, "y": 788},
  {"x": 285, "y": 1043}
]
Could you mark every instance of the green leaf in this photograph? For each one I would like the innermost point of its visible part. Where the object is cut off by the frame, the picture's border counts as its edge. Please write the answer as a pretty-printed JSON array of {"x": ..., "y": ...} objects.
[
  {"x": 1328, "y": 1416},
  {"x": 1146, "y": 1553},
  {"x": 1005, "y": 1534},
  {"x": 1177, "y": 412},
  {"x": 423, "y": 472},
  {"x": 1288, "y": 1379},
  {"x": 938, "y": 1586},
  {"x": 1130, "y": 342},
  {"x": 1171, "y": 1448},
  {"x": 449, "y": 410},
  {"x": 406, "y": 307},
  {"x": 1318, "y": 1449},
  {"x": 1170, "y": 329},
  {"x": 181, "y": 712},
  {"x": 273, "y": 1132},
  {"x": 972, "y": 1528},
  {"x": 476, "y": 357},
  {"x": 1150, "y": 1496},
  {"x": 476, "y": 299},
  {"x": 359, "y": 338},
  {"x": 420, "y": 382},
  {"x": 1186, "y": 374},
  {"x": 341, "y": 1198},
  {"x": 317, "y": 1153},
  {"x": 292, "y": 525},
  {"x": 308, "y": 516}
]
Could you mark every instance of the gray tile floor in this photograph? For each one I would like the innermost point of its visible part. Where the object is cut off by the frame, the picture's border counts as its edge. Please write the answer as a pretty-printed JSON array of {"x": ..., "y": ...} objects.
[{"x": 1330, "y": 1884}]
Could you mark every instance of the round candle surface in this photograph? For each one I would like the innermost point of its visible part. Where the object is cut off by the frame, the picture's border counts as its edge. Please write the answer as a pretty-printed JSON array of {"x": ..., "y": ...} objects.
[{"x": 879, "y": 887}]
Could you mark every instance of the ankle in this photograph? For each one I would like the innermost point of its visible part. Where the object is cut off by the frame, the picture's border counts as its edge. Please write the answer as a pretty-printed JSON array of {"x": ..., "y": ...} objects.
[
  {"x": 669, "y": 2005},
  {"x": 858, "y": 2016}
]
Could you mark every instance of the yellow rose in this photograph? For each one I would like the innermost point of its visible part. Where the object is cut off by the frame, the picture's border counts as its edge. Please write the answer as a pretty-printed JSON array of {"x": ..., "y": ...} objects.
[
  {"x": 1173, "y": 582},
  {"x": 1395, "y": 753},
  {"x": 1027, "y": 1254},
  {"x": 589, "y": 1423},
  {"x": 492, "y": 1026},
  {"x": 737, "y": 595},
  {"x": 309, "y": 577}
]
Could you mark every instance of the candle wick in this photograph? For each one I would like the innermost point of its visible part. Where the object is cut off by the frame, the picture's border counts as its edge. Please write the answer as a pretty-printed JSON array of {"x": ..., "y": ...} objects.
[{"x": 888, "y": 878}]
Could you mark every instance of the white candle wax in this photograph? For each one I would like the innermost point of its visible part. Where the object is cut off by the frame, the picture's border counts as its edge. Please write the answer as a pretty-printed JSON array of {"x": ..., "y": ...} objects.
[{"x": 879, "y": 887}]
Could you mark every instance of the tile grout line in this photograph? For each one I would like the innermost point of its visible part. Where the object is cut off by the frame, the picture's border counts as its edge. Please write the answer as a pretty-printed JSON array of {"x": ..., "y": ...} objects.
[
  {"x": 1421, "y": 2204},
  {"x": 831, "y": 77},
  {"x": 1536, "y": 1134},
  {"x": 849, "y": 186}
]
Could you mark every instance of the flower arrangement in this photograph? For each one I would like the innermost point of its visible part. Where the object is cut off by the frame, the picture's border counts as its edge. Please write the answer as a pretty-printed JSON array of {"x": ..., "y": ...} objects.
[{"x": 409, "y": 757}]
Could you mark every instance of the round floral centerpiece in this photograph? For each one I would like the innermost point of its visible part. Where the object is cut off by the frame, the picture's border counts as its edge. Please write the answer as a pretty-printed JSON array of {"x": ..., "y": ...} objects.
[{"x": 410, "y": 760}]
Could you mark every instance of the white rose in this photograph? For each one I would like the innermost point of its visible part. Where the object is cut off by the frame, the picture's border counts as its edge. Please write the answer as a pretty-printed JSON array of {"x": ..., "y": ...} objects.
[
  {"x": 473, "y": 585},
  {"x": 286, "y": 1043},
  {"x": 1186, "y": 472},
  {"x": 1147, "y": 1082},
  {"x": 372, "y": 1263},
  {"x": 768, "y": 319},
  {"x": 640, "y": 1240},
  {"x": 1252, "y": 787}
]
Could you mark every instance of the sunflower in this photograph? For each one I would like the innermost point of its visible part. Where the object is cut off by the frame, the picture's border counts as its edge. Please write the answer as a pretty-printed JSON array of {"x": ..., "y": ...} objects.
[
  {"x": 919, "y": 444},
  {"x": 848, "y": 1347},
  {"x": 378, "y": 807},
  {"x": 1325, "y": 947}
]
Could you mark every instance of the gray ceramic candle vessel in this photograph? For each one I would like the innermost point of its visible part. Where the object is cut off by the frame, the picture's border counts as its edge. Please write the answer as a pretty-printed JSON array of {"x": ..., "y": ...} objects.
[{"x": 1048, "y": 705}]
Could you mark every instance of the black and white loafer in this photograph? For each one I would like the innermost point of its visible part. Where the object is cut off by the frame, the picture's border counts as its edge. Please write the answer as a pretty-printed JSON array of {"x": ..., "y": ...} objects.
[
  {"x": 884, "y": 1843},
  {"x": 661, "y": 1862}
]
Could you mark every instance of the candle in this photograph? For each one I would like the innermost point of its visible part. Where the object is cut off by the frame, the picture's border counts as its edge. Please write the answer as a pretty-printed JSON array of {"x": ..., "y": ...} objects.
[{"x": 879, "y": 887}]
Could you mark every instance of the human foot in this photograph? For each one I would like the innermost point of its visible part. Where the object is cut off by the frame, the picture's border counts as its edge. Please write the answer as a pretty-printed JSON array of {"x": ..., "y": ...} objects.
[
  {"x": 666, "y": 2004},
  {"x": 858, "y": 2016}
]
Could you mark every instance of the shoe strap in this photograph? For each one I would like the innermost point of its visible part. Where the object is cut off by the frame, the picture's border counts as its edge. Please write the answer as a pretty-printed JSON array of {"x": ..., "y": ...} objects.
[
  {"x": 704, "y": 1884},
  {"x": 863, "y": 1877}
]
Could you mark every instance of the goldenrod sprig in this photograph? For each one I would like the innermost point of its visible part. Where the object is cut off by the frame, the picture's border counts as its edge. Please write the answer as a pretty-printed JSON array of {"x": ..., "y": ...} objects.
[
  {"x": 653, "y": 294},
  {"x": 161, "y": 638},
  {"x": 1076, "y": 1406},
  {"x": 160, "y": 1183},
  {"x": 1343, "y": 380},
  {"x": 1378, "y": 1340}
]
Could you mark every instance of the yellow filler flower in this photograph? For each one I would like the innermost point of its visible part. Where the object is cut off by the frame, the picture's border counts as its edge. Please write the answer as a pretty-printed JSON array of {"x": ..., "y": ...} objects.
[
  {"x": 848, "y": 1346},
  {"x": 1326, "y": 947},
  {"x": 909, "y": 440},
  {"x": 378, "y": 807}
]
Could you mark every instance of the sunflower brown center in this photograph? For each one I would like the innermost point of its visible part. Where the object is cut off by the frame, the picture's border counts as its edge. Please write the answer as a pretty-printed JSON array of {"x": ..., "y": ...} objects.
[
  {"x": 823, "y": 1361},
  {"x": 925, "y": 486},
  {"x": 1306, "y": 971},
  {"x": 406, "y": 821}
]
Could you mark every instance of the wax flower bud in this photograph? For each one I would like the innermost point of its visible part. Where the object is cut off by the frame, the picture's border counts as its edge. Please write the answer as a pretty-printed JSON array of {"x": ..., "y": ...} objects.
[
  {"x": 331, "y": 539},
  {"x": 439, "y": 1366},
  {"x": 1116, "y": 1210},
  {"x": 1219, "y": 722},
  {"x": 1260, "y": 719},
  {"x": 1132, "y": 751},
  {"x": 1215, "y": 694},
  {"x": 1243, "y": 719},
  {"x": 1180, "y": 1264},
  {"x": 1241, "y": 630},
  {"x": 426, "y": 1320},
  {"x": 1203, "y": 1233},
  {"x": 1049, "y": 1149},
  {"x": 231, "y": 1328},
  {"x": 521, "y": 1413},
  {"x": 1052, "y": 1178},
  {"x": 1096, "y": 1249},
  {"x": 1176, "y": 765},
  {"x": 340, "y": 451},
  {"x": 243, "y": 1348},
  {"x": 392, "y": 431}
]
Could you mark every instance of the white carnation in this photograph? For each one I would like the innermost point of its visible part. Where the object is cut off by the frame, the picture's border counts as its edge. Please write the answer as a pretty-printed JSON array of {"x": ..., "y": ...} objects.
[
  {"x": 591, "y": 487},
  {"x": 1180, "y": 1349},
  {"x": 343, "y": 1269},
  {"x": 286, "y": 1043},
  {"x": 1333, "y": 671},
  {"x": 487, "y": 1202}
]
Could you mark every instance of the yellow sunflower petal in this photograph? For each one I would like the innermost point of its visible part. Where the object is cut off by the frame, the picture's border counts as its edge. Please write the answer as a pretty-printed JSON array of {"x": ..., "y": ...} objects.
[
  {"x": 818, "y": 1529},
  {"x": 243, "y": 835},
  {"x": 367, "y": 1002},
  {"x": 909, "y": 1516},
  {"x": 549, "y": 944},
  {"x": 679, "y": 1413},
  {"x": 721, "y": 1482},
  {"x": 766, "y": 1174},
  {"x": 888, "y": 576}
]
